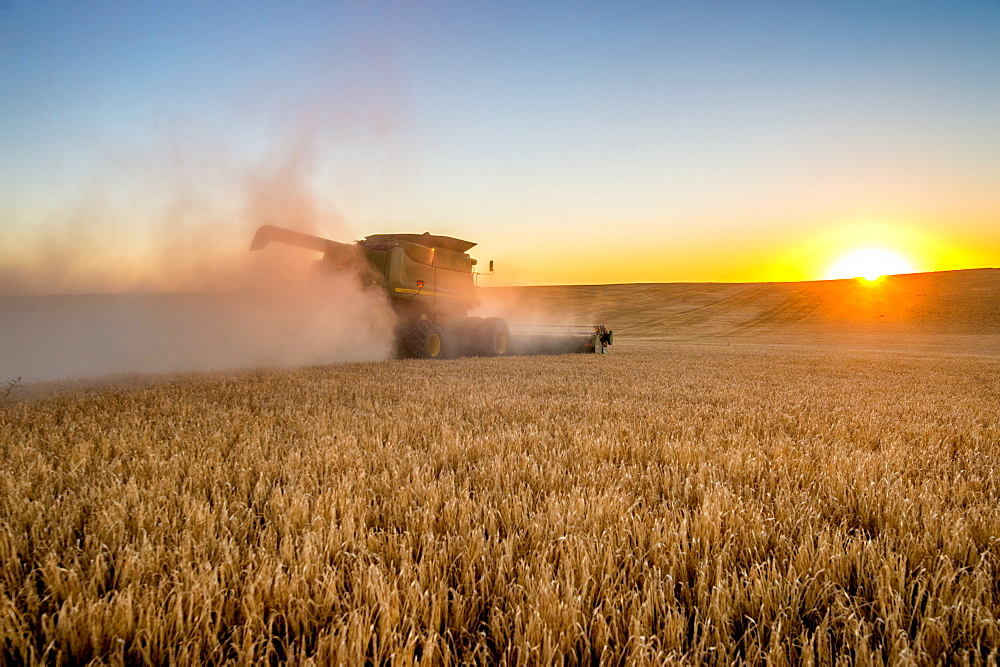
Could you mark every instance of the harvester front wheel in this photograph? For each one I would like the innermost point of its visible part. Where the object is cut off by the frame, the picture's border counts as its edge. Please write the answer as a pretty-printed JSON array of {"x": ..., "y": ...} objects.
[
  {"x": 422, "y": 339},
  {"x": 493, "y": 339}
]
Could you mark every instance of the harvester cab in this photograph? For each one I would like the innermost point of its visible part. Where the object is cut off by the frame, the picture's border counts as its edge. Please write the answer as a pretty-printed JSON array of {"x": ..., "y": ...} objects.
[
  {"x": 424, "y": 275},
  {"x": 430, "y": 282}
]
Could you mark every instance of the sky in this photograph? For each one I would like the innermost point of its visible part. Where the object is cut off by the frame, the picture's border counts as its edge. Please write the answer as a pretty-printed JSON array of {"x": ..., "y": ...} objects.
[{"x": 575, "y": 142}]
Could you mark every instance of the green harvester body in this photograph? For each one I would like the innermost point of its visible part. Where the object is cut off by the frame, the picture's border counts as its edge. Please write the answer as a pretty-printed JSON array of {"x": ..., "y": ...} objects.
[{"x": 430, "y": 281}]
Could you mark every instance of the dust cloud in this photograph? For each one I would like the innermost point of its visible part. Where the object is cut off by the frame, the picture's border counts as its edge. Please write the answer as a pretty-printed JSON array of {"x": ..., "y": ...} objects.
[
  {"x": 278, "y": 313},
  {"x": 149, "y": 271},
  {"x": 538, "y": 305},
  {"x": 330, "y": 319}
]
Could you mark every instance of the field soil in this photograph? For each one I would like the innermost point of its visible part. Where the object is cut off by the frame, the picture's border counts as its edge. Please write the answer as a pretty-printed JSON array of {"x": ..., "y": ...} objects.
[{"x": 792, "y": 473}]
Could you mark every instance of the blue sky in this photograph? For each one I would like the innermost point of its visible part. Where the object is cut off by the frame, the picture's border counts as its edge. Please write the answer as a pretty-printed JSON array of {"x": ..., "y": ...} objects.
[{"x": 577, "y": 142}]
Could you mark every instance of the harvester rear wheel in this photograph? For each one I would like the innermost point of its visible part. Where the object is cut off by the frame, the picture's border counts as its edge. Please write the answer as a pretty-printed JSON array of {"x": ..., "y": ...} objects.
[
  {"x": 492, "y": 337},
  {"x": 422, "y": 339}
]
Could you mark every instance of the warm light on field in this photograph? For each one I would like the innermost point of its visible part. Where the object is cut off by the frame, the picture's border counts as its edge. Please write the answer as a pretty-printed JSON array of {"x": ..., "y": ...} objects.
[{"x": 869, "y": 264}]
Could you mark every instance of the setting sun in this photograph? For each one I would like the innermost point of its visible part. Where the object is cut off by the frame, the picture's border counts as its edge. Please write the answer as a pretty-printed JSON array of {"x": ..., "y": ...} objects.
[{"x": 869, "y": 264}]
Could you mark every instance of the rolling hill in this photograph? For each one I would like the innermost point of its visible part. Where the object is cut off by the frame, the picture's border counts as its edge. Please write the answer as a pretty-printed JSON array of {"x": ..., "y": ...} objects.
[{"x": 948, "y": 309}]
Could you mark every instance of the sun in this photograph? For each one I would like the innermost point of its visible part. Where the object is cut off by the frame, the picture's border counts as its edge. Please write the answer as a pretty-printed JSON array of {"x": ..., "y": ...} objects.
[{"x": 869, "y": 264}]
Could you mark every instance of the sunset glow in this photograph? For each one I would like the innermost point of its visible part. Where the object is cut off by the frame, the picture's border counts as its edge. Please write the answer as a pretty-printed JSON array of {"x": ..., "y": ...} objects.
[
  {"x": 663, "y": 142},
  {"x": 869, "y": 264}
]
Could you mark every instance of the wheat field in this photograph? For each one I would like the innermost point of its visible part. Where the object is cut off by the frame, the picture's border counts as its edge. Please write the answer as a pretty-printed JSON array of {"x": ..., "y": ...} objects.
[{"x": 706, "y": 500}]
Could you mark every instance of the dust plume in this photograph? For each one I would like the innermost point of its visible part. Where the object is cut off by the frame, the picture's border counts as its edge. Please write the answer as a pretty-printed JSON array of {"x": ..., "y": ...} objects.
[
  {"x": 72, "y": 336},
  {"x": 282, "y": 314},
  {"x": 539, "y": 305},
  {"x": 153, "y": 274}
]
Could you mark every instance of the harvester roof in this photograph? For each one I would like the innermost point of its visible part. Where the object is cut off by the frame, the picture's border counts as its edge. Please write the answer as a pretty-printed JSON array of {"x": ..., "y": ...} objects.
[{"x": 426, "y": 239}]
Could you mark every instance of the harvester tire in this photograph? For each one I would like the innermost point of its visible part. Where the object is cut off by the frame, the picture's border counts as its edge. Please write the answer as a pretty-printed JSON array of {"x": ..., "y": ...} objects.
[
  {"x": 492, "y": 338},
  {"x": 422, "y": 339}
]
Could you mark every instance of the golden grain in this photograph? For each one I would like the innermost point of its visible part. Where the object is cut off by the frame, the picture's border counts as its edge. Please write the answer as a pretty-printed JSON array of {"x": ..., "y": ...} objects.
[{"x": 693, "y": 503}]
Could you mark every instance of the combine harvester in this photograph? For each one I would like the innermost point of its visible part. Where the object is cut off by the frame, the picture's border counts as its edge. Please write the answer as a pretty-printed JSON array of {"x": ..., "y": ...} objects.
[{"x": 431, "y": 285}]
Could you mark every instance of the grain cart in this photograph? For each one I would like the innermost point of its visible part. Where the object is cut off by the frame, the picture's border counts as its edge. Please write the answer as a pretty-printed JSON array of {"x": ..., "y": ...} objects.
[{"x": 430, "y": 283}]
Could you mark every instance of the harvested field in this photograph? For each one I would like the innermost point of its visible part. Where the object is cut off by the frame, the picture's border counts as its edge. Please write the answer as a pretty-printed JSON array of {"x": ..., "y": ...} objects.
[
  {"x": 821, "y": 487},
  {"x": 945, "y": 311}
]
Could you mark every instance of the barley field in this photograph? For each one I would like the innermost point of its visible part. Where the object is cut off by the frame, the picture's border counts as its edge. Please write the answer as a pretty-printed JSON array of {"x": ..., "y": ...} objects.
[{"x": 800, "y": 493}]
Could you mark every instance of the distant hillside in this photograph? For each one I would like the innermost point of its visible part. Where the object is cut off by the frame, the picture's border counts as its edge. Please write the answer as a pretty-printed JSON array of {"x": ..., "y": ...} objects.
[
  {"x": 948, "y": 304},
  {"x": 84, "y": 336}
]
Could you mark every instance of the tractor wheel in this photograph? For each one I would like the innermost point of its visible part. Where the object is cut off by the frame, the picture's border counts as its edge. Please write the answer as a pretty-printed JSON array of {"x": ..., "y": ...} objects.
[
  {"x": 422, "y": 339},
  {"x": 492, "y": 338}
]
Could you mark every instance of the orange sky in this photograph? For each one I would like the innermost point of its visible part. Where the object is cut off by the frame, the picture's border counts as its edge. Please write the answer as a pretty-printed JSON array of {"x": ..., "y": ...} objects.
[
  {"x": 654, "y": 142},
  {"x": 805, "y": 253}
]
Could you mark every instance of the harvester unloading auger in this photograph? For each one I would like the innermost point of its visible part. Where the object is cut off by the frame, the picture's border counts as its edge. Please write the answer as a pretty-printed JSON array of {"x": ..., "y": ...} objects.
[{"x": 430, "y": 283}]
